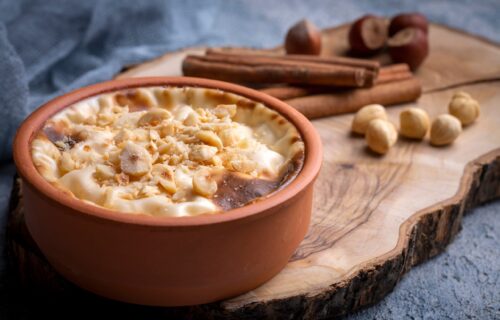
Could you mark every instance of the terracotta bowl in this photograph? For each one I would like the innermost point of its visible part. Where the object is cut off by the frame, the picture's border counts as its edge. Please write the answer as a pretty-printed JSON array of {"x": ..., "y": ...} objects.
[{"x": 166, "y": 261}]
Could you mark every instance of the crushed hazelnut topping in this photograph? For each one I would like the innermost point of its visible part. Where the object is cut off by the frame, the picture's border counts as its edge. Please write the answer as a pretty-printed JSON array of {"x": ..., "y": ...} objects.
[{"x": 131, "y": 152}]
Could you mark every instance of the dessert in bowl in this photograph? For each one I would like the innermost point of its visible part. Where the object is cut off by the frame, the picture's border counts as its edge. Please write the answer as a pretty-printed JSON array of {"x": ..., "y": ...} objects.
[
  {"x": 176, "y": 151},
  {"x": 167, "y": 191}
]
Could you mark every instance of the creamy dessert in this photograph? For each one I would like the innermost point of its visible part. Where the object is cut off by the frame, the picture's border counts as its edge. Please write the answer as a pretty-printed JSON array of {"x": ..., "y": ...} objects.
[{"x": 168, "y": 151}]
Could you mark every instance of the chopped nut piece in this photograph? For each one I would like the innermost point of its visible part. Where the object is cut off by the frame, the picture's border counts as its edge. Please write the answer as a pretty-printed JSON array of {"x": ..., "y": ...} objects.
[
  {"x": 104, "y": 119},
  {"x": 192, "y": 119},
  {"x": 170, "y": 146},
  {"x": 202, "y": 152},
  {"x": 141, "y": 134},
  {"x": 127, "y": 196},
  {"x": 216, "y": 160},
  {"x": 243, "y": 165},
  {"x": 164, "y": 175},
  {"x": 168, "y": 129},
  {"x": 175, "y": 159},
  {"x": 225, "y": 110},
  {"x": 151, "y": 147},
  {"x": 209, "y": 138},
  {"x": 154, "y": 117},
  {"x": 135, "y": 160},
  {"x": 122, "y": 179},
  {"x": 123, "y": 135},
  {"x": 148, "y": 191},
  {"x": 229, "y": 137},
  {"x": 153, "y": 135},
  {"x": 203, "y": 183},
  {"x": 114, "y": 157},
  {"x": 104, "y": 172},
  {"x": 179, "y": 196},
  {"x": 66, "y": 162}
]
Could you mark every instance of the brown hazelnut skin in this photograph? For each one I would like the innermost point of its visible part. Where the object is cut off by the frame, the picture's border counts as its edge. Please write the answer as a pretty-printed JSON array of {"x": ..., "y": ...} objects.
[
  {"x": 409, "y": 46},
  {"x": 303, "y": 38},
  {"x": 408, "y": 20},
  {"x": 367, "y": 35}
]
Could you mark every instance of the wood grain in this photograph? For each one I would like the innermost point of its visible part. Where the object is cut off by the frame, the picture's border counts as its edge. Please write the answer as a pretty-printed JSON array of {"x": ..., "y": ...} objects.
[{"x": 374, "y": 217}]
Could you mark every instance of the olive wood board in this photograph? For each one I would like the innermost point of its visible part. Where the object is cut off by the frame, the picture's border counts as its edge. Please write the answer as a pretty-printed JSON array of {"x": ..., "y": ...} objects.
[{"x": 374, "y": 217}]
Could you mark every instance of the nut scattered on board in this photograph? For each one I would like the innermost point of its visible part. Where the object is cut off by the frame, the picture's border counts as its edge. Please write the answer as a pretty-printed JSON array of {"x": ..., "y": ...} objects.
[
  {"x": 463, "y": 107},
  {"x": 413, "y": 123},
  {"x": 445, "y": 129},
  {"x": 367, "y": 35},
  {"x": 303, "y": 38},
  {"x": 408, "y": 20},
  {"x": 410, "y": 46},
  {"x": 461, "y": 94},
  {"x": 365, "y": 115},
  {"x": 381, "y": 135}
]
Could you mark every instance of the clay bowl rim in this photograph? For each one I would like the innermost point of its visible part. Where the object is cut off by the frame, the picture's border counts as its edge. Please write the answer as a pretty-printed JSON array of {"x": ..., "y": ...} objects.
[{"x": 30, "y": 175}]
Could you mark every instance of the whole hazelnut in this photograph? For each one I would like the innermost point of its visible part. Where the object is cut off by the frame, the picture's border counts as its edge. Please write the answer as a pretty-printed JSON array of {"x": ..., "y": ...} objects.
[
  {"x": 409, "y": 46},
  {"x": 381, "y": 135},
  {"x": 461, "y": 94},
  {"x": 466, "y": 109},
  {"x": 365, "y": 115},
  {"x": 414, "y": 123},
  {"x": 303, "y": 38},
  {"x": 367, "y": 35},
  {"x": 407, "y": 20},
  {"x": 445, "y": 129}
]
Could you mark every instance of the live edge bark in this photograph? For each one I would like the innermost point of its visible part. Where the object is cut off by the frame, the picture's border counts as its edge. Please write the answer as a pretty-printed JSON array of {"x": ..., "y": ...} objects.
[{"x": 427, "y": 234}]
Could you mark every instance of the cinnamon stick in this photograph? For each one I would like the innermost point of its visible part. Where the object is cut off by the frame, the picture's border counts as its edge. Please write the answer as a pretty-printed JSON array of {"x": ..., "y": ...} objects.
[
  {"x": 260, "y": 60},
  {"x": 322, "y": 105},
  {"x": 391, "y": 73},
  {"x": 395, "y": 68},
  {"x": 262, "y": 70},
  {"x": 290, "y": 92},
  {"x": 395, "y": 72},
  {"x": 398, "y": 76},
  {"x": 342, "y": 61}
]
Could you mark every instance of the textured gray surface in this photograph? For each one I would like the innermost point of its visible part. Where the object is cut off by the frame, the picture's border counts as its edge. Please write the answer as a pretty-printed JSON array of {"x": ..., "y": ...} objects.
[
  {"x": 50, "y": 47},
  {"x": 461, "y": 283}
]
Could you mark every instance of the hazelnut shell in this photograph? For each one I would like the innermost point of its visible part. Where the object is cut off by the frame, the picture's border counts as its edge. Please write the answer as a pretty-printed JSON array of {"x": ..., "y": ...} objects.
[
  {"x": 445, "y": 129},
  {"x": 414, "y": 123},
  {"x": 367, "y": 35},
  {"x": 409, "y": 46},
  {"x": 408, "y": 20},
  {"x": 303, "y": 38},
  {"x": 465, "y": 109},
  {"x": 381, "y": 135}
]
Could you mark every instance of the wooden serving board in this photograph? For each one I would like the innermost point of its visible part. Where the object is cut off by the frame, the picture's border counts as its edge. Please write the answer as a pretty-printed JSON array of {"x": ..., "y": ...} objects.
[{"x": 374, "y": 216}]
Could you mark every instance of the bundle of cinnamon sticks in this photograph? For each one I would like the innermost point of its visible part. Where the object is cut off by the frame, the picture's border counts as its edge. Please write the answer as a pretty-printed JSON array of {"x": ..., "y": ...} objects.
[{"x": 316, "y": 86}]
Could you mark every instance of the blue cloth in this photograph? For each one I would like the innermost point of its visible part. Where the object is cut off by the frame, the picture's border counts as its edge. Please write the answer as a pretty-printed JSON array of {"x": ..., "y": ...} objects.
[{"x": 51, "y": 47}]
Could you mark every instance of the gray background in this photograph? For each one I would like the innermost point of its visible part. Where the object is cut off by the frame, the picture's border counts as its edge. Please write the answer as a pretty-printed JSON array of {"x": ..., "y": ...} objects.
[{"x": 50, "y": 47}]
